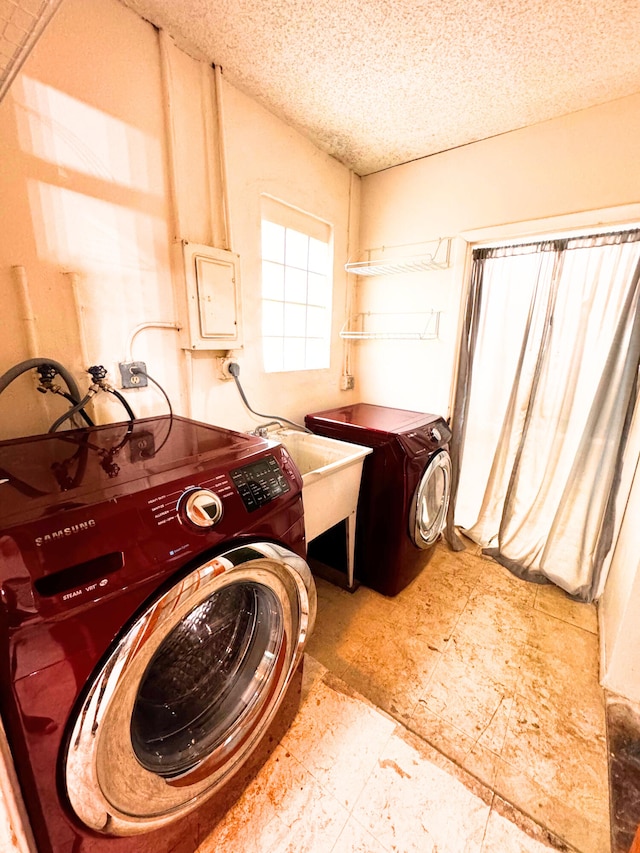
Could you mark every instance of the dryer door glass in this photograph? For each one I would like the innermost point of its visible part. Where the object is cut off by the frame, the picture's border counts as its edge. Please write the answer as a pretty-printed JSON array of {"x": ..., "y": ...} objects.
[
  {"x": 207, "y": 675},
  {"x": 430, "y": 502}
]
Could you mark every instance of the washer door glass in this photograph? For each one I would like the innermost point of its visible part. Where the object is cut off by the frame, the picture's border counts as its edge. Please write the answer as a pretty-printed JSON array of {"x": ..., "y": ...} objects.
[
  {"x": 189, "y": 689},
  {"x": 206, "y": 677},
  {"x": 430, "y": 502}
]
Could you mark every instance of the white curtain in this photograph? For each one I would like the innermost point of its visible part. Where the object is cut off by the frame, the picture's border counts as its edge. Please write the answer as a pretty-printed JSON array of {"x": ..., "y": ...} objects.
[{"x": 546, "y": 389}]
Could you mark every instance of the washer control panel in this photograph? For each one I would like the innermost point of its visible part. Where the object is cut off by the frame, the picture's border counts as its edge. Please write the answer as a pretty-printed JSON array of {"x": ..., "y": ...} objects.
[
  {"x": 201, "y": 507},
  {"x": 260, "y": 482}
]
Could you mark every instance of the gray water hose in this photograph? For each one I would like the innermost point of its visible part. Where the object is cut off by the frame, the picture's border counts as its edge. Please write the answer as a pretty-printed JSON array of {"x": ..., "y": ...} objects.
[{"x": 17, "y": 370}]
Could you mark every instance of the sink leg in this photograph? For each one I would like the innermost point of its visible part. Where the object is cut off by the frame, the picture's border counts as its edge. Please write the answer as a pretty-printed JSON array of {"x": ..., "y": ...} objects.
[{"x": 351, "y": 547}]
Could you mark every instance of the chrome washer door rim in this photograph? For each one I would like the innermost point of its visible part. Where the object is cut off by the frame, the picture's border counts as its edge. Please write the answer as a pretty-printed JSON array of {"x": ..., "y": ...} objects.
[
  {"x": 424, "y": 526},
  {"x": 108, "y": 788}
]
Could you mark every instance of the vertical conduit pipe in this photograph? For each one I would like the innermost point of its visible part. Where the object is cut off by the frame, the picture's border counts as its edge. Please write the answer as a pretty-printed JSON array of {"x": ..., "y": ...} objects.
[
  {"x": 211, "y": 164},
  {"x": 228, "y": 237},
  {"x": 19, "y": 275},
  {"x": 347, "y": 369},
  {"x": 164, "y": 41},
  {"x": 74, "y": 280}
]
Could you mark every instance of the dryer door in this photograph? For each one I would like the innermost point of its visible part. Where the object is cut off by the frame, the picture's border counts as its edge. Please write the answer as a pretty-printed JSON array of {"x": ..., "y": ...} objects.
[
  {"x": 189, "y": 690},
  {"x": 430, "y": 501}
]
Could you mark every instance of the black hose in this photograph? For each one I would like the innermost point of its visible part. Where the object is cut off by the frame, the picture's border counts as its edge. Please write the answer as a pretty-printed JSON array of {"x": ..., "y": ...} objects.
[
  {"x": 234, "y": 370},
  {"x": 71, "y": 412},
  {"x": 140, "y": 372},
  {"x": 20, "y": 485},
  {"x": 74, "y": 402},
  {"x": 18, "y": 369},
  {"x": 127, "y": 407}
]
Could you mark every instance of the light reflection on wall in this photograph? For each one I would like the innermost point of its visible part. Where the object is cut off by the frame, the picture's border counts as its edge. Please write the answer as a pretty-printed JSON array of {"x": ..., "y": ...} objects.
[
  {"x": 95, "y": 186},
  {"x": 115, "y": 249},
  {"x": 70, "y": 134}
]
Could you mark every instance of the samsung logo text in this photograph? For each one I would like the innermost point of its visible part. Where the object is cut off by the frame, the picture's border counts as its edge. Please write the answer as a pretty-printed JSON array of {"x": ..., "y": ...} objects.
[{"x": 64, "y": 532}]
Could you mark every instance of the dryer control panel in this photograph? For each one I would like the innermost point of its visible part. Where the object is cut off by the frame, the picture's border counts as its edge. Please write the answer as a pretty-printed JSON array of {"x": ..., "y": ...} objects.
[{"x": 260, "y": 482}]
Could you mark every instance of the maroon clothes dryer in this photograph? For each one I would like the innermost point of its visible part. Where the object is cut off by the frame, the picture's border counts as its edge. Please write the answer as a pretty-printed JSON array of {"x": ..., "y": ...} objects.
[
  {"x": 154, "y": 606},
  {"x": 404, "y": 491}
]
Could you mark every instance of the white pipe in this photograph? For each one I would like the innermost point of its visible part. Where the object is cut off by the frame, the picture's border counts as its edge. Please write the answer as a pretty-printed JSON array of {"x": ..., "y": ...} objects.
[
  {"x": 188, "y": 360},
  {"x": 347, "y": 369},
  {"x": 74, "y": 280},
  {"x": 20, "y": 278},
  {"x": 140, "y": 328},
  {"x": 166, "y": 87},
  {"x": 228, "y": 237},
  {"x": 207, "y": 78}
]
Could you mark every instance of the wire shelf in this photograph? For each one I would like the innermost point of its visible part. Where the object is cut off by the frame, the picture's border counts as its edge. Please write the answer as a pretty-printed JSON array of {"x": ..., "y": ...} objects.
[
  {"x": 379, "y": 326},
  {"x": 22, "y": 22},
  {"x": 438, "y": 259}
]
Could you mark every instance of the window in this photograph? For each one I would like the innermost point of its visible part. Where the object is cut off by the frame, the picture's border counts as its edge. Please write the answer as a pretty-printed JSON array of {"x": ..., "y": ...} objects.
[{"x": 296, "y": 289}]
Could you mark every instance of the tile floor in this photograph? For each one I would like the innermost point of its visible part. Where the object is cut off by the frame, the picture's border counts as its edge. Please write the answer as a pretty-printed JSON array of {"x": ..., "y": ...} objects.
[
  {"x": 499, "y": 675},
  {"x": 347, "y": 778},
  {"x": 462, "y": 716}
]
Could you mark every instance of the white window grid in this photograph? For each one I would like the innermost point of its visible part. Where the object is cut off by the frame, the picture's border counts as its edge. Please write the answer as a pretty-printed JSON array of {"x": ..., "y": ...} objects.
[{"x": 296, "y": 299}]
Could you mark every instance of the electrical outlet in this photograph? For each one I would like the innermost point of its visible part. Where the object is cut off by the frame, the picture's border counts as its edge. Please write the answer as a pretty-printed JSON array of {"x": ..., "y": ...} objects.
[
  {"x": 347, "y": 383},
  {"x": 128, "y": 378},
  {"x": 223, "y": 367},
  {"x": 141, "y": 446}
]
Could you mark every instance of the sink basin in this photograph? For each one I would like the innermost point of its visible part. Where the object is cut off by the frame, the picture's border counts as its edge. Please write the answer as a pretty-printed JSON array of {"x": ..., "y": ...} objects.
[{"x": 331, "y": 472}]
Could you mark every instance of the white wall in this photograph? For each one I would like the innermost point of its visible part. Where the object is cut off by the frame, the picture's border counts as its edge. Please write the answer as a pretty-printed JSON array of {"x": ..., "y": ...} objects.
[
  {"x": 87, "y": 186},
  {"x": 582, "y": 162},
  {"x": 619, "y": 607}
]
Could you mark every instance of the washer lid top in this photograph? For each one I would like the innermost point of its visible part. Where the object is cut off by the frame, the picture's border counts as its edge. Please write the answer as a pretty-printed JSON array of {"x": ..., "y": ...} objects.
[
  {"x": 43, "y": 473},
  {"x": 369, "y": 418}
]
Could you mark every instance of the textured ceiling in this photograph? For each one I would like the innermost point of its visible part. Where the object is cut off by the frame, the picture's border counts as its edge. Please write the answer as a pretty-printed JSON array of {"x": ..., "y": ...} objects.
[{"x": 381, "y": 82}]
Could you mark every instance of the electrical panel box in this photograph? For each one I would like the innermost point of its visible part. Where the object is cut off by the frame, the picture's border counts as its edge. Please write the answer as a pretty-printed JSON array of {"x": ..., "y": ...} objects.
[{"x": 212, "y": 281}]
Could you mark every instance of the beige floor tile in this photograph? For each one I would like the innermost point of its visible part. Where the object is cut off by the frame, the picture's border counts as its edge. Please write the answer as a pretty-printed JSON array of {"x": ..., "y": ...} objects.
[
  {"x": 510, "y": 830},
  {"x": 564, "y": 689},
  {"x": 344, "y": 625},
  {"x": 554, "y": 601},
  {"x": 392, "y": 670},
  {"x": 338, "y": 737},
  {"x": 567, "y": 642},
  {"x": 446, "y": 572},
  {"x": 486, "y": 655},
  {"x": 483, "y": 764},
  {"x": 333, "y": 645},
  {"x": 430, "y": 617},
  {"x": 354, "y": 838},
  {"x": 413, "y": 804},
  {"x": 559, "y": 757},
  {"x": 328, "y": 594},
  {"x": 468, "y": 700},
  {"x": 455, "y": 744},
  {"x": 495, "y": 617},
  {"x": 499, "y": 581},
  {"x": 583, "y": 833},
  {"x": 451, "y": 741},
  {"x": 283, "y": 809}
]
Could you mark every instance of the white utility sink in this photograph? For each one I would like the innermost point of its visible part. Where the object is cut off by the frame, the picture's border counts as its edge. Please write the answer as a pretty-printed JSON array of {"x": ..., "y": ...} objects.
[{"x": 331, "y": 472}]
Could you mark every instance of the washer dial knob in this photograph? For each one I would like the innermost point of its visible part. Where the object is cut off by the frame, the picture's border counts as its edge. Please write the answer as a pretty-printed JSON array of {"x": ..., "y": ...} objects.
[
  {"x": 436, "y": 435},
  {"x": 201, "y": 507}
]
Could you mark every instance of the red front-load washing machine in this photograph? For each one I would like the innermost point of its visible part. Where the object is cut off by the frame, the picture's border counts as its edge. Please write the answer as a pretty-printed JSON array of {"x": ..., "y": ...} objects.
[
  {"x": 404, "y": 491},
  {"x": 154, "y": 606}
]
